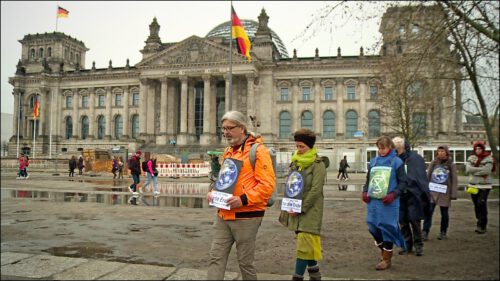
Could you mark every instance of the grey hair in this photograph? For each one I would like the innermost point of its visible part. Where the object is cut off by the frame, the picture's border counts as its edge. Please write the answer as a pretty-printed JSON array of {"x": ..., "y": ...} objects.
[
  {"x": 236, "y": 117},
  {"x": 399, "y": 142}
]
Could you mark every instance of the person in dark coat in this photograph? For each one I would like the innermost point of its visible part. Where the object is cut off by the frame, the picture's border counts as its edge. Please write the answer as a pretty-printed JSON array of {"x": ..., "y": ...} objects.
[
  {"x": 72, "y": 166},
  {"x": 415, "y": 198}
]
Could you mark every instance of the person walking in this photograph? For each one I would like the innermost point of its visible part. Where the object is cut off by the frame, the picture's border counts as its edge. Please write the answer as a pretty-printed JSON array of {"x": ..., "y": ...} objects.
[
  {"x": 72, "y": 166},
  {"x": 343, "y": 165},
  {"x": 21, "y": 174},
  {"x": 384, "y": 181},
  {"x": 114, "y": 166},
  {"x": 480, "y": 166},
  {"x": 443, "y": 186},
  {"x": 120, "y": 167},
  {"x": 80, "y": 164},
  {"x": 134, "y": 165},
  {"x": 307, "y": 223},
  {"x": 414, "y": 199},
  {"x": 247, "y": 204},
  {"x": 151, "y": 174}
]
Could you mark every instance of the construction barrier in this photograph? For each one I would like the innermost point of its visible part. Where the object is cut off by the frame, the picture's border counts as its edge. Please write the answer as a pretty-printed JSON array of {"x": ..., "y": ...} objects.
[{"x": 188, "y": 170}]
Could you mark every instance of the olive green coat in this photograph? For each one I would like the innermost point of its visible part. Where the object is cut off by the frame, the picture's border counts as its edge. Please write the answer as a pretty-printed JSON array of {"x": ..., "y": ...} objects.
[{"x": 311, "y": 217}]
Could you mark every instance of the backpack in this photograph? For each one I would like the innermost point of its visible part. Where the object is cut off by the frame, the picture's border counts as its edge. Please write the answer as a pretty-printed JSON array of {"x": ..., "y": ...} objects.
[
  {"x": 145, "y": 166},
  {"x": 272, "y": 154}
]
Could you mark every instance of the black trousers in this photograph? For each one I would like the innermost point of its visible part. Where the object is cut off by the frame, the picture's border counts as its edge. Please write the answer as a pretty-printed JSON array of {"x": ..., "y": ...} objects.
[
  {"x": 412, "y": 233},
  {"x": 480, "y": 201}
]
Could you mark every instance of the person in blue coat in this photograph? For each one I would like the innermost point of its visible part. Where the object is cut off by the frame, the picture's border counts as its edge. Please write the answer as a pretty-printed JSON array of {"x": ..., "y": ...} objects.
[
  {"x": 384, "y": 181},
  {"x": 415, "y": 199}
]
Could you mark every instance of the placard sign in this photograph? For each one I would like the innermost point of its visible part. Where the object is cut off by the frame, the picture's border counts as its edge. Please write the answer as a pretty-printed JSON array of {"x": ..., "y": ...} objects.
[
  {"x": 294, "y": 187},
  {"x": 224, "y": 185}
]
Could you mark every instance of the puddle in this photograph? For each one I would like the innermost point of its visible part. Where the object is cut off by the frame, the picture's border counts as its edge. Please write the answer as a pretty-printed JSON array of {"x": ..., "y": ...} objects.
[{"x": 81, "y": 250}]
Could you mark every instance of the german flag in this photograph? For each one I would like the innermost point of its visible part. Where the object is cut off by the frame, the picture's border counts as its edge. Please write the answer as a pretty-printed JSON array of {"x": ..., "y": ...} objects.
[
  {"x": 62, "y": 13},
  {"x": 240, "y": 35},
  {"x": 36, "y": 109}
]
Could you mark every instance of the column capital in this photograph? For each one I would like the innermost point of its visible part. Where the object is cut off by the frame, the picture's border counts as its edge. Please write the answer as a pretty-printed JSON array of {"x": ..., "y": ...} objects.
[
  {"x": 143, "y": 80},
  {"x": 206, "y": 77},
  {"x": 295, "y": 81},
  {"x": 183, "y": 79},
  {"x": 164, "y": 79},
  {"x": 339, "y": 80},
  {"x": 317, "y": 81},
  {"x": 250, "y": 76}
]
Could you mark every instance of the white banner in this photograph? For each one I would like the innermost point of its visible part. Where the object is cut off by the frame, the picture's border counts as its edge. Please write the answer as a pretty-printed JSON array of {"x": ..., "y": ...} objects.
[
  {"x": 219, "y": 200},
  {"x": 436, "y": 187},
  {"x": 291, "y": 205}
]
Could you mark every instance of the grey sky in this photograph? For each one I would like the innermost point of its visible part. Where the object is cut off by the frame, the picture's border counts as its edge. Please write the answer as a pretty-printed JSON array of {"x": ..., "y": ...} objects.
[{"x": 117, "y": 30}]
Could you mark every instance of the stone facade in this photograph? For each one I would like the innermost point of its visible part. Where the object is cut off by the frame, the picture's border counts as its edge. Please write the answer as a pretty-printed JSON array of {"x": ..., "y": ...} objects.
[{"x": 180, "y": 90}]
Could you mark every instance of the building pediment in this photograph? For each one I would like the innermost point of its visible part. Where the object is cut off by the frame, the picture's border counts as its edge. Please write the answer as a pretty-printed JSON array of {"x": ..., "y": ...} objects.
[{"x": 192, "y": 50}]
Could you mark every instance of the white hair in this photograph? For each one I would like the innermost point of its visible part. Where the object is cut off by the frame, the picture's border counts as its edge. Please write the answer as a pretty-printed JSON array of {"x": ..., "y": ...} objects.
[
  {"x": 399, "y": 142},
  {"x": 235, "y": 117}
]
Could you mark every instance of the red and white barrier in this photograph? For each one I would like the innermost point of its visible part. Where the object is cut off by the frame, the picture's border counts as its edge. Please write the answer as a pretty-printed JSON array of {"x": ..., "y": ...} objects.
[{"x": 188, "y": 170}]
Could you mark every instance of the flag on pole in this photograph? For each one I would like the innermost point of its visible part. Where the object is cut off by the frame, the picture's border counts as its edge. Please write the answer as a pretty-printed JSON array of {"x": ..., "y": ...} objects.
[
  {"x": 62, "y": 13},
  {"x": 240, "y": 35},
  {"x": 36, "y": 109}
]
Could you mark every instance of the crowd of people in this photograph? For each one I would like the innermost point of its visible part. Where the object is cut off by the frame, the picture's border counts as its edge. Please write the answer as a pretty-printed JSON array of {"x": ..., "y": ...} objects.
[{"x": 400, "y": 193}]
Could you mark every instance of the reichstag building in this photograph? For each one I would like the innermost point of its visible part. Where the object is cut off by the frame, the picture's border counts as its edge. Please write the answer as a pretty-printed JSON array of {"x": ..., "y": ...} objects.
[{"x": 180, "y": 90}]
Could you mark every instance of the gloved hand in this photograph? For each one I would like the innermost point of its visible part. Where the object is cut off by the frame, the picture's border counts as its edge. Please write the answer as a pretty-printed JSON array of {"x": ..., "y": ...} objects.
[
  {"x": 388, "y": 199},
  {"x": 366, "y": 199}
]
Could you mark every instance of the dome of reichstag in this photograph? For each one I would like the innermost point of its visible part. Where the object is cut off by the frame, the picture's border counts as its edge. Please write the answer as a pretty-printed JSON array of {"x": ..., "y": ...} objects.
[{"x": 250, "y": 26}]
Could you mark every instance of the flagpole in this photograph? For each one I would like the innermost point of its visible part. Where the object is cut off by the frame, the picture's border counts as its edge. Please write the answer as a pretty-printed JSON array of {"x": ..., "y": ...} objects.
[
  {"x": 51, "y": 117},
  {"x": 230, "y": 58},
  {"x": 34, "y": 126},
  {"x": 57, "y": 14}
]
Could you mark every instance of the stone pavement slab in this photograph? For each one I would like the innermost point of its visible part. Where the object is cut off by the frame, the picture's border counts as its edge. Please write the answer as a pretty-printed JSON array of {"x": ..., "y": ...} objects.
[
  {"x": 91, "y": 270},
  {"x": 40, "y": 266},
  {"x": 11, "y": 257},
  {"x": 198, "y": 274},
  {"x": 140, "y": 272}
]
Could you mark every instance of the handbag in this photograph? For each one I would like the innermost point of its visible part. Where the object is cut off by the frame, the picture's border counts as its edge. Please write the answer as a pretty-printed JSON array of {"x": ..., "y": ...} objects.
[
  {"x": 472, "y": 189},
  {"x": 283, "y": 218}
]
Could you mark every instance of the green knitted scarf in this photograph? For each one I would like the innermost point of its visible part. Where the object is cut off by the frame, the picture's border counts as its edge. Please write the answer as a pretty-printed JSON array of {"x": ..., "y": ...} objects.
[{"x": 304, "y": 160}]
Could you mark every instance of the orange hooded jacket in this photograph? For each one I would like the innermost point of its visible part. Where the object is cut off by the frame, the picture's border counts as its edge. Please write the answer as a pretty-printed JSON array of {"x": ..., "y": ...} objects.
[{"x": 253, "y": 187}]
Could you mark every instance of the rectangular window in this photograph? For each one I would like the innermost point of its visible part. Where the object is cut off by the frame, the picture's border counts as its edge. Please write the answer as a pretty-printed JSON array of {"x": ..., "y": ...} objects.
[
  {"x": 402, "y": 31},
  {"x": 69, "y": 101},
  {"x": 351, "y": 92},
  {"x": 135, "y": 99},
  {"x": 328, "y": 93},
  {"x": 373, "y": 92},
  {"x": 306, "y": 93},
  {"x": 284, "y": 94},
  {"x": 102, "y": 101},
  {"x": 85, "y": 101},
  {"x": 118, "y": 100}
]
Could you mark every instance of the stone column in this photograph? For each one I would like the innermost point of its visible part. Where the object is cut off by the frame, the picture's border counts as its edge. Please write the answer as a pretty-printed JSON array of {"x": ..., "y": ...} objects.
[
  {"x": 126, "y": 113},
  {"x": 15, "y": 118},
  {"x": 207, "y": 138},
  {"x": 458, "y": 107},
  {"x": 109, "y": 114},
  {"x": 92, "y": 121},
  {"x": 295, "y": 105},
  {"x": 172, "y": 110},
  {"x": 182, "y": 137},
  {"x": 250, "y": 94},
  {"x": 226, "y": 99},
  {"x": 161, "y": 138},
  {"x": 363, "y": 94},
  {"x": 150, "y": 112},
  {"x": 318, "y": 114},
  {"x": 43, "y": 114},
  {"x": 143, "y": 121},
  {"x": 340, "y": 108},
  {"x": 76, "y": 115},
  {"x": 191, "y": 111}
]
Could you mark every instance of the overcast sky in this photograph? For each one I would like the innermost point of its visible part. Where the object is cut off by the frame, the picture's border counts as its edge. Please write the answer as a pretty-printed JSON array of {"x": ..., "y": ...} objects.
[{"x": 117, "y": 30}]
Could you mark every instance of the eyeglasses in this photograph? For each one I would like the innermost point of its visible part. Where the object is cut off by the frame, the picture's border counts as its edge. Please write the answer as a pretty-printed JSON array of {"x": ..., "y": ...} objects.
[{"x": 227, "y": 129}]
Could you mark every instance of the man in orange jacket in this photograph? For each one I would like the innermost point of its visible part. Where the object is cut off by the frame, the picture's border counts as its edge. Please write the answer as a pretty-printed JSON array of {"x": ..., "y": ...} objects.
[{"x": 246, "y": 206}]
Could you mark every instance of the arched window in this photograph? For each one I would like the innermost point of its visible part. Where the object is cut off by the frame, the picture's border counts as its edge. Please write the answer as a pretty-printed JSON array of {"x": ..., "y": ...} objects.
[
  {"x": 351, "y": 123},
  {"x": 118, "y": 127},
  {"x": 49, "y": 52},
  {"x": 329, "y": 125},
  {"x": 135, "y": 126},
  {"x": 415, "y": 90},
  {"x": 101, "y": 127},
  {"x": 373, "y": 124},
  {"x": 69, "y": 128},
  {"x": 40, "y": 53},
  {"x": 33, "y": 55},
  {"x": 306, "y": 120},
  {"x": 285, "y": 125},
  {"x": 419, "y": 124},
  {"x": 85, "y": 127}
]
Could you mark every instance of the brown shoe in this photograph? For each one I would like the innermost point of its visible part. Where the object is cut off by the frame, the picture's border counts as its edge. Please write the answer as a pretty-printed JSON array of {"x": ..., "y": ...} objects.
[{"x": 386, "y": 260}]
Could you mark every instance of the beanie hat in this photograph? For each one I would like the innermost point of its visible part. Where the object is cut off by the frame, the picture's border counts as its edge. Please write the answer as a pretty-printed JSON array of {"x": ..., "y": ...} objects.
[
  {"x": 306, "y": 136},
  {"x": 138, "y": 152}
]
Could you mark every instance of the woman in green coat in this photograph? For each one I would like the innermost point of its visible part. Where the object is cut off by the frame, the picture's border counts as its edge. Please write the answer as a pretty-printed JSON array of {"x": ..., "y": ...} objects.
[{"x": 307, "y": 223}]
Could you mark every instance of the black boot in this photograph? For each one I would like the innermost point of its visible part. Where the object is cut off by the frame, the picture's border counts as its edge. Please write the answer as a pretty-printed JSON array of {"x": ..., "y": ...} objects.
[
  {"x": 419, "y": 250},
  {"x": 314, "y": 273},
  {"x": 296, "y": 277}
]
